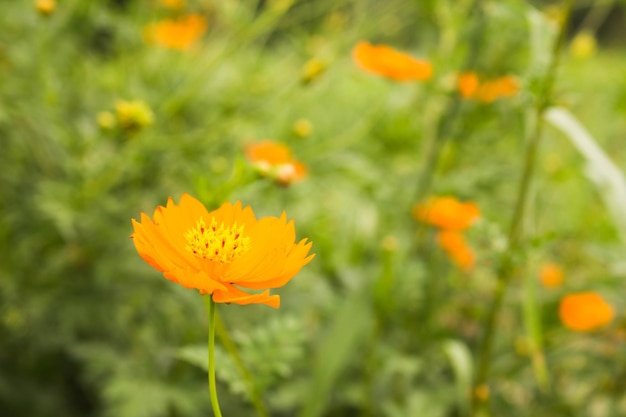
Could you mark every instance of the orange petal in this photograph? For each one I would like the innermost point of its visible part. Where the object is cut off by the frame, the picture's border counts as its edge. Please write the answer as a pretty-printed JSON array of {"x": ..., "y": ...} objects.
[
  {"x": 468, "y": 84},
  {"x": 388, "y": 62},
  {"x": 235, "y": 295},
  {"x": 585, "y": 311}
]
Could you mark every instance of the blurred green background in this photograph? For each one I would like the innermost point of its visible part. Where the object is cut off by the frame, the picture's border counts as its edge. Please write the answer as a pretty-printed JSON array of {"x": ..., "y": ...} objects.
[{"x": 378, "y": 324}]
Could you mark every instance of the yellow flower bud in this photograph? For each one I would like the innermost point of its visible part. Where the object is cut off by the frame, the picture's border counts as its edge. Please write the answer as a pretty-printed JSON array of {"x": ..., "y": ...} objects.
[
  {"x": 106, "y": 120},
  {"x": 133, "y": 115},
  {"x": 302, "y": 128},
  {"x": 312, "y": 69},
  {"x": 583, "y": 45}
]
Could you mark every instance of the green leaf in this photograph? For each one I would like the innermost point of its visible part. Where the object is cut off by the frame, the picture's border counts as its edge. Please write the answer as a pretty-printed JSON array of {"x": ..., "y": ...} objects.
[{"x": 460, "y": 359}]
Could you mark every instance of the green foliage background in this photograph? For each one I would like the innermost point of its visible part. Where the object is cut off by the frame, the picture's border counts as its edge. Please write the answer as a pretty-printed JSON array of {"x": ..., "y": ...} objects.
[{"x": 377, "y": 324}]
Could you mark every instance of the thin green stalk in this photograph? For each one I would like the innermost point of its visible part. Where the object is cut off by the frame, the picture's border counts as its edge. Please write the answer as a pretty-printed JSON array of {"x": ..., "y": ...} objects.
[
  {"x": 231, "y": 348},
  {"x": 445, "y": 128},
  {"x": 210, "y": 306},
  {"x": 507, "y": 266}
]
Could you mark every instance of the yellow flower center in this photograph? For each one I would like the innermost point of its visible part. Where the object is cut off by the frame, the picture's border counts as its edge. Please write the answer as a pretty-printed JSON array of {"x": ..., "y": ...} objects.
[{"x": 217, "y": 243}]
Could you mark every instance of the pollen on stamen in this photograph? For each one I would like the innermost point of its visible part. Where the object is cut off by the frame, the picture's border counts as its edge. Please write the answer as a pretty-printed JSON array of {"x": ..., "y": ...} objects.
[{"x": 218, "y": 243}]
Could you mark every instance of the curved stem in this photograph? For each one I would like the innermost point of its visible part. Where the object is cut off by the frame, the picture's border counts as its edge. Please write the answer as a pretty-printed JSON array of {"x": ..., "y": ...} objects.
[{"x": 210, "y": 305}]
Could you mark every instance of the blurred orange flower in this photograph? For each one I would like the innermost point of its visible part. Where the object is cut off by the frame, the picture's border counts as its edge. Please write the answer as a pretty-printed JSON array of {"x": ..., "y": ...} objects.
[
  {"x": 385, "y": 61},
  {"x": 274, "y": 160},
  {"x": 551, "y": 275},
  {"x": 455, "y": 245},
  {"x": 173, "y": 4},
  {"x": 219, "y": 251},
  {"x": 468, "y": 84},
  {"x": 447, "y": 213},
  {"x": 179, "y": 34},
  {"x": 585, "y": 311},
  {"x": 489, "y": 91}
]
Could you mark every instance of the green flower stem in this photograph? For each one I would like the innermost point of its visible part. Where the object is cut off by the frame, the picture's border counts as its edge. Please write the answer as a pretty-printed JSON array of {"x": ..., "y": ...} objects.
[
  {"x": 210, "y": 306},
  {"x": 507, "y": 266},
  {"x": 446, "y": 124},
  {"x": 231, "y": 348}
]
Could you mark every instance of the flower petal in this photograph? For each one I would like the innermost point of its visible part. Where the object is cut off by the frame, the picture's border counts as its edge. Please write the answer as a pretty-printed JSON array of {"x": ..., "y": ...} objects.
[{"x": 235, "y": 295}]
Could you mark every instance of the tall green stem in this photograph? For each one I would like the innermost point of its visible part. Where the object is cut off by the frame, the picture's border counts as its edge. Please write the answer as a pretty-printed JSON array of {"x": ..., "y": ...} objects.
[
  {"x": 210, "y": 306},
  {"x": 445, "y": 126},
  {"x": 231, "y": 348},
  {"x": 507, "y": 266}
]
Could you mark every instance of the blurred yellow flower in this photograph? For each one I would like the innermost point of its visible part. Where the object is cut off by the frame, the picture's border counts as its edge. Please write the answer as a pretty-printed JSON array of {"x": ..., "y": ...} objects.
[
  {"x": 583, "y": 45},
  {"x": 133, "y": 115},
  {"x": 389, "y": 243},
  {"x": 221, "y": 251},
  {"x": 178, "y": 34},
  {"x": 45, "y": 7},
  {"x": 551, "y": 275},
  {"x": 386, "y": 61},
  {"x": 274, "y": 160},
  {"x": 448, "y": 213},
  {"x": 585, "y": 311},
  {"x": 106, "y": 120},
  {"x": 457, "y": 249},
  {"x": 302, "y": 128},
  {"x": 311, "y": 70}
]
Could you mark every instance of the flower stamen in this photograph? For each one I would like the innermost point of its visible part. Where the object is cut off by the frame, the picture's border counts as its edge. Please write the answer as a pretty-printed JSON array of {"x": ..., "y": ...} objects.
[{"x": 217, "y": 243}]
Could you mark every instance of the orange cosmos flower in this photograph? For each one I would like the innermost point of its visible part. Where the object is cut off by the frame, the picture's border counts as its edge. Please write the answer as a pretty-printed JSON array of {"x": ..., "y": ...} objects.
[
  {"x": 447, "y": 213},
  {"x": 551, "y": 275},
  {"x": 455, "y": 245},
  {"x": 489, "y": 91},
  {"x": 177, "y": 34},
  {"x": 385, "y": 61},
  {"x": 173, "y": 4},
  {"x": 585, "y": 311},
  {"x": 468, "y": 84},
  {"x": 274, "y": 160},
  {"x": 221, "y": 251}
]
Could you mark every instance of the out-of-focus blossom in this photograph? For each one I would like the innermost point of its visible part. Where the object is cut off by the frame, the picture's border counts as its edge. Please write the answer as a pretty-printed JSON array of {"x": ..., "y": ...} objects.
[
  {"x": 488, "y": 91},
  {"x": 585, "y": 311},
  {"x": 452, "y": 217},
  {"x": 312, "y": 70},
  {"x": 133, "y": 115},
  {"x": 106, "y": 120},
  {"x": 583, "y": 45},
  {"x": 302, "y": 128},
  {"x": 551, "y": 275},
  {"x": 173, "y": 4},
  {"x": 46, "y": 7},
  {"x": 179, "y": 34},
  {"x": 447, "y": 213},
  {"x": 457, "y": 249},
  {"x": 387, "y": 62},
  {"x": 274, "y": 160},
  {"x": 221, "y": 251},
  {"x": 468, "y": 84}
]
